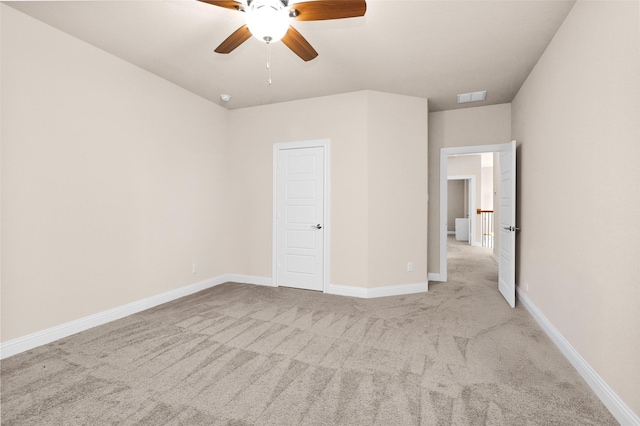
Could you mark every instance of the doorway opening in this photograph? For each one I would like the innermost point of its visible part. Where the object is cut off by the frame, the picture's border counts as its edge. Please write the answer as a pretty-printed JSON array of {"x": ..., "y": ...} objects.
[
  {"x": 461, "y": 201},
  {"x": 503, "y": 219}
]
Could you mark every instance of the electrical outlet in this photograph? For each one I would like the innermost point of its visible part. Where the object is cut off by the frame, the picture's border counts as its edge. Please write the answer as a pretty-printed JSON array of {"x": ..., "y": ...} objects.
[
  {"x": 409, "y": 266},
  {"x": 194, "y": 268}
]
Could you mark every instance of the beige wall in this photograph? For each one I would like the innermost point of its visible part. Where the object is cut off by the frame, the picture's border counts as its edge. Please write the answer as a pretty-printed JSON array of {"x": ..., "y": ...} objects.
[
  {"x": 377, "y": 191},
  {"x": 253, "y": 131},
  {"x": 397, "y": 186},
  {"x": 113, "y": 180},
  {"x": 577, "y": 122},
  {"x": 457, "y": 128},
  {"x": 455, "y": 203}
]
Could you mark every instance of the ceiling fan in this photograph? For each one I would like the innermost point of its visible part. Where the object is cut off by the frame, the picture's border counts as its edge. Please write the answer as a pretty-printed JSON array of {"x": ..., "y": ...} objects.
[{"x": 268, "y": 21}]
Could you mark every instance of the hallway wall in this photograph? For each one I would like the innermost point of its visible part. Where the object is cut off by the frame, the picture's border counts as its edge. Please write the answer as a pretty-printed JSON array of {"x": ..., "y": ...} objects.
[
  {"x": 576, "y": 120},
  {"x": 485, "y": 125}
]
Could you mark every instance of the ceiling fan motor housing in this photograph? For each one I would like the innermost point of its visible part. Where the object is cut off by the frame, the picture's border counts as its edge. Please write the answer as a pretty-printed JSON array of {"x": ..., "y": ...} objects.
[{"x": 268, "y": 21}]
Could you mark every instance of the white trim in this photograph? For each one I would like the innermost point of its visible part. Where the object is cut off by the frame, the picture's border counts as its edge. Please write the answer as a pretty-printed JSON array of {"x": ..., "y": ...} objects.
[
  {"x": 327, "y": 218},
  {"x": 443, "y": 215},
  {"x": 398, "y": 290},
  {"x": 493, "y": 255},
  {"x": 249, "y": 279},
  {"x": 346, "y": 290},
  {"x": 274, "y": 213},
  {"x": 371, "y": 293},
  {"x": 444, "y": 154},
  {"x": 39, "y": 338},
  {"x": 436, "y": 277},
  {"x": 621, "y": 411},
  {"x": 321, "y": 143}
]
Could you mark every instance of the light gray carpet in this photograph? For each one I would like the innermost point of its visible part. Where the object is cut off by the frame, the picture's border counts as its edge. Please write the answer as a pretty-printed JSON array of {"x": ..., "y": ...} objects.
[{"x": 240, "y": 354}]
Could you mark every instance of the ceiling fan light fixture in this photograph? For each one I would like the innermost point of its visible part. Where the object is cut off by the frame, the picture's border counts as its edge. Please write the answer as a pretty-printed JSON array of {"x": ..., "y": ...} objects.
[{"x": 268, "y": 20}]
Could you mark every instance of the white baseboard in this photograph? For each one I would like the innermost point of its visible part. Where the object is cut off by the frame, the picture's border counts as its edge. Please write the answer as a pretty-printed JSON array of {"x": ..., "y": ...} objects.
[
  {"x": 370, "y": 293},
  {"x": 33, "y": 340},
  {"x": 249, "y": 279},
  {"x": 451, "y": 232},
  {"x": 39, "y": 338},
  {"x": 611, "y": 400},
  {"x": 435, "y": 277},
  {"x": 346, "y": 290},
  {"x": 398, "y": 290}
]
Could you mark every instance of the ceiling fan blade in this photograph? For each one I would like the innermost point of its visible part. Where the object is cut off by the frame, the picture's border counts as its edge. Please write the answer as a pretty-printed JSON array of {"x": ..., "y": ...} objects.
[
  {"x": 300, "y": 46},
  {"x": 238, "y": 37},
  {"x": 227, "y": 4},
  {"x": 320, "y": 10}
]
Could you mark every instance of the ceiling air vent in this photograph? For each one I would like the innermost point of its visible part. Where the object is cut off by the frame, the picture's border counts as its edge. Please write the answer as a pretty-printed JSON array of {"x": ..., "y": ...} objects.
[{"x": 472, "y": 97}]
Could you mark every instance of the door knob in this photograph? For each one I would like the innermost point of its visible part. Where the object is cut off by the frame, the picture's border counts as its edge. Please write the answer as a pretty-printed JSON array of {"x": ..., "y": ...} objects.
[{"x": 318, "y": 226}]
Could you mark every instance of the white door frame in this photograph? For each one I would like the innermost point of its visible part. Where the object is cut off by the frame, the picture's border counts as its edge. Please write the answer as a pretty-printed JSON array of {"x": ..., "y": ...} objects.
[
  {"x": 444, "y": 155},
  {"x": 471, "y": 201},
  {"x": 277, "y": 147}
]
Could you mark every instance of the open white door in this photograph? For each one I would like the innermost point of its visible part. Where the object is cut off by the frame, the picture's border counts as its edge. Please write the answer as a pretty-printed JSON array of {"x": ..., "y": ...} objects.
[
  {"x": 507, "y": 208},
  {"x": 300, "y": 233},
  {"x": 507, "y": 229}
]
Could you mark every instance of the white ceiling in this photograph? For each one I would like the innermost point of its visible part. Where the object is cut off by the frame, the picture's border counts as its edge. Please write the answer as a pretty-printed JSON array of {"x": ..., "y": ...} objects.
[{"x": 430, "y": 49}]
